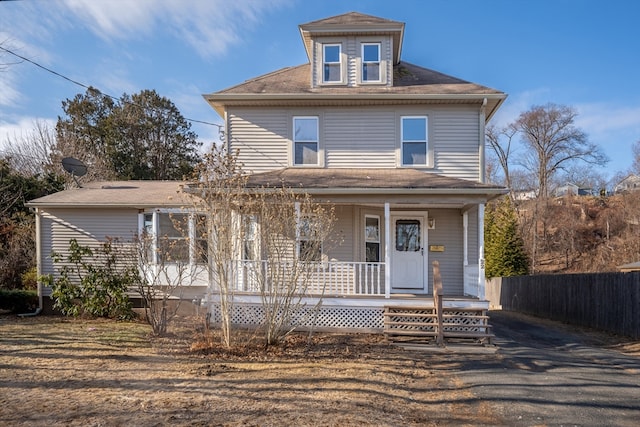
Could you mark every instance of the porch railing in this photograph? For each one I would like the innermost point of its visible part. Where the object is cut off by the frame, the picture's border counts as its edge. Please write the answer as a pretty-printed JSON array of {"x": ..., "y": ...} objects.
[{"x": 330, "y": 278}]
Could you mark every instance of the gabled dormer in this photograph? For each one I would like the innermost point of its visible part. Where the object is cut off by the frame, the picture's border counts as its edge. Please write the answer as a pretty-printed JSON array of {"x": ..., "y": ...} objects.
[{"x": 353, "y": 49}]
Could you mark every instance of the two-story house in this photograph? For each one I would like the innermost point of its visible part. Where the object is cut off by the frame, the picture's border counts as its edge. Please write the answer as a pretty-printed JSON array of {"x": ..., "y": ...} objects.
[{"x": 398, "y": 149}]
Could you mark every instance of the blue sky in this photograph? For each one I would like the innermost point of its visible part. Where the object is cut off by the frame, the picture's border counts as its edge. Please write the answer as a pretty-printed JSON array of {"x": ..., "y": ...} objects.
[{"x": 580, "y": 53}]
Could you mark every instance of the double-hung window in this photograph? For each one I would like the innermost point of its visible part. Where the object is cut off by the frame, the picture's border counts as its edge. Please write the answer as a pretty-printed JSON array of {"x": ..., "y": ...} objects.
[
  {"x": 331, "y": 63},
  {"x": 250, "y": 247},
  {"x": 372, "y": 238},
  {"x": 414, "y": 131},
  {"x": 305, "y": 141},
  {"x": 309, "y": 243},
  {"x": 371, "y": 62}
]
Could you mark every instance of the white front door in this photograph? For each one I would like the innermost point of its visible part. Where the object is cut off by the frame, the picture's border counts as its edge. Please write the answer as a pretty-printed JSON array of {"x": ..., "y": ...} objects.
[{"x": 407, "y": 253}]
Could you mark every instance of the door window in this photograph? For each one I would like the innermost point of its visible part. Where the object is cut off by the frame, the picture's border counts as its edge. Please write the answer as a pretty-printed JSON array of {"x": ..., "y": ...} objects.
[{"x": 408, "y": 235}]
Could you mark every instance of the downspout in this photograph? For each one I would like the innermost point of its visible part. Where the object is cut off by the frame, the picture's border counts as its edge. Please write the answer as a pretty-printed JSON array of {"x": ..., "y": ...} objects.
[
  {"x": 482, "y": 119},
  {"x": 38, "y": 268}
]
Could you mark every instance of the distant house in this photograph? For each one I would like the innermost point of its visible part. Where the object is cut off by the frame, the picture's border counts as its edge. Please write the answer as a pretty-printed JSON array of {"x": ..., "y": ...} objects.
[
  {"x": 525, "y": 195},
  {"x": 397, "y": 149},
  {"x": 630, "y": 183},
  {"x": 570, "y": 189}
]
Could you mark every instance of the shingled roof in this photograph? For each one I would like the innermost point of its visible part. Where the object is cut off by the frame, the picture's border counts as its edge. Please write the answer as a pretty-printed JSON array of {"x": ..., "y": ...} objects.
[
  {"x": 362, "y": 179},
  {"x": 122, "y": 194},
  {"x": 411, "y": 83}
]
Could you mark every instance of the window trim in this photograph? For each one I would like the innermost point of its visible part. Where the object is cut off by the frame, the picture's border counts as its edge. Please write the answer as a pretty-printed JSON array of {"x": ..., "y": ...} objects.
[
  {"x": 294, "y": 142},
  {"x": 427, "y": 160},
  {"x": 367, "y": 240},
  {"x": 152, "y": 229},
  {"x": 325, "y": 63},
  {"x": 363, "y": 62},
  {"x": 300, "y": 237}
]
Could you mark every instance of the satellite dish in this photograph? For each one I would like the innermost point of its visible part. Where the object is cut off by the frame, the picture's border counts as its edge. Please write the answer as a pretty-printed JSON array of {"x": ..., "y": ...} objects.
[{"x": 75, "y": 167}]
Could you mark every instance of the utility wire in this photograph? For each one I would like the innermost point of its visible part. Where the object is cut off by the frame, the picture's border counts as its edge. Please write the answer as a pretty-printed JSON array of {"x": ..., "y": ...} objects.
[{"x": 92, "y": 87}]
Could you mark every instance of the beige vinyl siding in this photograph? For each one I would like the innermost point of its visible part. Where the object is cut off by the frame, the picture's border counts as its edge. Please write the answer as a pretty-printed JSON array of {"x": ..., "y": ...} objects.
[
  {"x": 351, "y": 47},
  {"x": 262, "y": 138},
  {"x": 455, "y": 140},
  {"x": 89, "y": 227},
  {"x": 448, "y": 233},
  {"x": 360, "y": 138},
  {"x": 357, "y": 137},
  {"x": 341, "y": 247}
]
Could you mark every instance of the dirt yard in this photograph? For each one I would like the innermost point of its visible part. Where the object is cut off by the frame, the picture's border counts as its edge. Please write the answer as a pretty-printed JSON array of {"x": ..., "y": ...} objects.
[{"x": 56, "y": 371}]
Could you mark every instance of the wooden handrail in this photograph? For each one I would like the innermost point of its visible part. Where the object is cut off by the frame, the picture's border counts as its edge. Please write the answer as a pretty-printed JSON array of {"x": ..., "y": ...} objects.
[{"x": 437, "y": 297}]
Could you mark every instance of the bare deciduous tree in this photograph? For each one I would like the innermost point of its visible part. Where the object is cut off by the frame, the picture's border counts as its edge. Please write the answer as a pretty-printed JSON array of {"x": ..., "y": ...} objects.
[
  {"x": 264, "y": 240},
  {"x": 166, "y": 268},
  {"x": 635, "y": 150},
  {"x": 553, "y": 142},
  {"x": 500, "y": 140},
  {"x": 30, "y": 153}
]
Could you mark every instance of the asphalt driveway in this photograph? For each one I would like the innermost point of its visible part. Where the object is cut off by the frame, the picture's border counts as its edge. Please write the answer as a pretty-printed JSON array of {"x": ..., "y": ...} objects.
[{"x": 547, "y": 373}]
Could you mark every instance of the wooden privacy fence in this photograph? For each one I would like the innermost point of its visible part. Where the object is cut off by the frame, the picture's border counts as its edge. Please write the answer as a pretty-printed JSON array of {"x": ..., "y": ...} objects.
[{"x": 605, "y": 301}]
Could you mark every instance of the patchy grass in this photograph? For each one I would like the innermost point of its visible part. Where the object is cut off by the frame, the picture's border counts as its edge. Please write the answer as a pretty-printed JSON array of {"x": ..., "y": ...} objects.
[{"x": 57, "y": 371}]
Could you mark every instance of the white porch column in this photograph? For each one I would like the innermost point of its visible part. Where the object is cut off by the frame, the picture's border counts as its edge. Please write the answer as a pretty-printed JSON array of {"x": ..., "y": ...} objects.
[
  {"x": 465, "y": 238},
  {"x": 481, "y": 277},
  {"x": 387, "y": 250}
]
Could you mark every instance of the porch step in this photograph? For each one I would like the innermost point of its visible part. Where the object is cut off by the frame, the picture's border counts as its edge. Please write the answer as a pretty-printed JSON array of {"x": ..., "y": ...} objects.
[{"x": 401, "y": 323}]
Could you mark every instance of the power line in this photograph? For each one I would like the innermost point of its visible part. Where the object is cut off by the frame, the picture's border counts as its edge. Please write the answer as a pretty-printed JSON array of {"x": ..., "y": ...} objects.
[{"x": 92, "y": 87}]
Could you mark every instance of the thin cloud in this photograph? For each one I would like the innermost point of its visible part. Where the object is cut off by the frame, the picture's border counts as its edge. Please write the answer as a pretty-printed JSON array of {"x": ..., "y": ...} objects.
[
  {"x": 210, "y": 27},
  {"x": 601, "y": 119},
  {"x": 16, "y": 130}
]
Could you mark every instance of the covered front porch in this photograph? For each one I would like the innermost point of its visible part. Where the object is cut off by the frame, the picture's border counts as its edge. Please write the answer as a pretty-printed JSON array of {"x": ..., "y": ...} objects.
[{"x": 393, "y": 224}]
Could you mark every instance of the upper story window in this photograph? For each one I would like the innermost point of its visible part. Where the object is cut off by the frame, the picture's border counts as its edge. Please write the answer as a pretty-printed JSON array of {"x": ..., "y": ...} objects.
[
  {"x": 414, "y": 143},
  {"x": 331, "y": 63},
  {"x": 305, "y": 141},
  {"x": 371, "y": 62}
]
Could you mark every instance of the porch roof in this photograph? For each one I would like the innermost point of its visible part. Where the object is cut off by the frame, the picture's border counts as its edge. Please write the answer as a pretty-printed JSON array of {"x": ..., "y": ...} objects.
[{"x": 362, "y": 181}]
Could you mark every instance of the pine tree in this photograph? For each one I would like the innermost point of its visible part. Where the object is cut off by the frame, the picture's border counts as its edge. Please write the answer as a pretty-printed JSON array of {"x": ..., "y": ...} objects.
[{"x": 504, "y": 248}]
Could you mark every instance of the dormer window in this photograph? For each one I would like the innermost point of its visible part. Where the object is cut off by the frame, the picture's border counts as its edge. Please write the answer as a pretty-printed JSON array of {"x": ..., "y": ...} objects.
[
  {"x": 371, "y": 62},
  {"x": 331, "y": 62}
]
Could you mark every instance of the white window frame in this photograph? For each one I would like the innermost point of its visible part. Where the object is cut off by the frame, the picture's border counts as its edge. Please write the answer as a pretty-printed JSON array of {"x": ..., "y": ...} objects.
[
  {"x": 404, "y": 141},
  {"x": 368, "y": 239},
  {"x": 152, "y": 229},
  {"x": 365, "y": 63},
  {"x": 300, "y": 237},
  {"x": 326, "y": 63},
  {"x": 250, "y": 233},
  {"x": 302, "y": 141}
]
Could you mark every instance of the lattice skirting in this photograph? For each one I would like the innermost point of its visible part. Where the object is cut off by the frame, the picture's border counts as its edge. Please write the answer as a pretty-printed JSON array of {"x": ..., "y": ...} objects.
[{"x": 359, "y": 319}]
